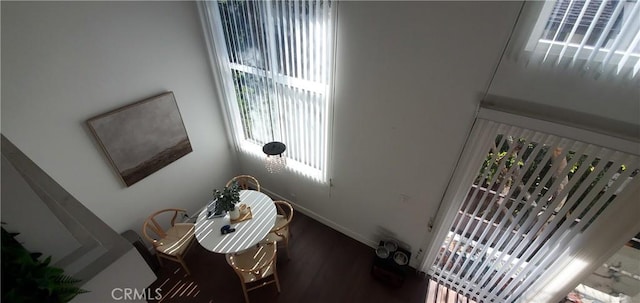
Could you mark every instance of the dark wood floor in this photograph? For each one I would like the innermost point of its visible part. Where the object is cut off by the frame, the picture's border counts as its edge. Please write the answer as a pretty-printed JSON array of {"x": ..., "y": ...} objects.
[{"x": 325, "y": 266}]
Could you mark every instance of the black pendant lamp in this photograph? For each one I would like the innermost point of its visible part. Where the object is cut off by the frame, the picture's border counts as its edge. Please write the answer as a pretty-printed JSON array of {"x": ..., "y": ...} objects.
[{"x": 275, "y": 161}]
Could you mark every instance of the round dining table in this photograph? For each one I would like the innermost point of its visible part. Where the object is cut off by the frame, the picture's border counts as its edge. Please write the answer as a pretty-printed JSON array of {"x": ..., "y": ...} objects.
[{"x": 247, "y": 233}]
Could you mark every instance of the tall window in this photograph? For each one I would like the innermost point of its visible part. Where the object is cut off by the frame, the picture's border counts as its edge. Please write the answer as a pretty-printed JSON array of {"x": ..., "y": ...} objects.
[
  {"x": 589, "y": 34},
  {"x": 275, "y": 61}
]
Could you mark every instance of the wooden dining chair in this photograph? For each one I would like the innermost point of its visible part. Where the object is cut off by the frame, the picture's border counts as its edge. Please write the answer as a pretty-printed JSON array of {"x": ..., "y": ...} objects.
[
  {"x": 172, "y": 243},
  {"x": 245, "y": 182},
  {"x": 255, "y": 264},
  {"x": 281, "y": 232}
]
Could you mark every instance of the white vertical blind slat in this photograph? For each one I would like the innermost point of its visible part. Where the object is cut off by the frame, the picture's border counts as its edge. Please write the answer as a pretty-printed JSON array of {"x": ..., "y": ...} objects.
[
  {"x": 278, "y": 56},
  {"x": 317, "y": 44},
  {"x": 266, "y": 90},
  {"x": 620, "y": 37},
  {"x": 273, "y": 44},
  {"x": 295, "y": 19},
  {"x": 263, "y": 27},
  {"x": 302, "y": 146},
  {"x": 587, "y": 35},
  {"x": 318, "y": 109},
  {"x": 629, "y": 50},
  {"x": 309, "y": 125},
  {"x": 295, "y": 106},
  {"x": 327, "y": 50},
  {"x": 287, "y": 116},
  {"x": 293, "y": 119},
  {"x": 607, "y": 29},
  {"x": 555, "y": 35},
  {"x": 304, "y": 75},
  {"x": 636, "y": 67},
  {"x": 312, "y": 71},
  {"x": 318, "y": 122},
  {"x": 304, "y": 124},
  {"x": 282, "y": 67},
  {"x": 298, "y": 38},
  {"x": 286, "y": 28},
  {"x": 291, "y": 71},
  {"x": 292, "y": 150},
  {"x": 304, "y": 21},
  {"x": 573, "y": 30}
]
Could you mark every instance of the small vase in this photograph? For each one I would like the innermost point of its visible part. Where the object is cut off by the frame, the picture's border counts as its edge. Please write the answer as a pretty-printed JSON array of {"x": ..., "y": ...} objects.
[
  {"x": 213, "y": 212},
  {"x": 234, "y": 214}
]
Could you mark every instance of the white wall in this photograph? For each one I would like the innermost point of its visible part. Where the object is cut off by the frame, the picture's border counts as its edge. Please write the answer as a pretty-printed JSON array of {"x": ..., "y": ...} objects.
[
  {"x": 409, "y": 78},
  {"x": 64, "y": 62},
  {"x": 22, "y": 207},
  {"x": 600, "y": 97},
  {"x": 110, "y": 284}
]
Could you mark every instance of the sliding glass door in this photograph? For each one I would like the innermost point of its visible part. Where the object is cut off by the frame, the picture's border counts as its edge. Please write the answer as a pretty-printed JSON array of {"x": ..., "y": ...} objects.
[{"x": 521, "y": 200}]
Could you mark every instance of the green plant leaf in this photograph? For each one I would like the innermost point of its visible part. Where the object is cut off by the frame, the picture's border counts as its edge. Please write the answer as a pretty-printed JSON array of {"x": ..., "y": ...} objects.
[{"x": 25, "y": 278}]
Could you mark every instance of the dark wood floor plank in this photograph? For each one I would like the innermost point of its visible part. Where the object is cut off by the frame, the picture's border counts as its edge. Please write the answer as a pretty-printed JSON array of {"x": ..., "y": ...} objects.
[{"x": 325, "y": 266}]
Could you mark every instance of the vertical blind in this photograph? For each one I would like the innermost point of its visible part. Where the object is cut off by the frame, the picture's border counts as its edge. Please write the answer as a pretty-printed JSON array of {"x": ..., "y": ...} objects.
[
  {"x": 533, "y": 193},
  {"x": 601, "y": 37},
  {"x": 276, "y": 63}
]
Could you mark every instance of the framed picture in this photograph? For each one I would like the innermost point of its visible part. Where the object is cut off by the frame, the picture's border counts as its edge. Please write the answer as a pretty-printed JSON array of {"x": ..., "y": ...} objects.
[{"x": 141, "y": 138}]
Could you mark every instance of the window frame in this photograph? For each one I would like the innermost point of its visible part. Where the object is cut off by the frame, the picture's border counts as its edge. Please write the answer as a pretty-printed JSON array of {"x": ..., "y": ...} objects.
[
  {"x": 560, "y": 51},
  {"x": 223, "y": 76}
]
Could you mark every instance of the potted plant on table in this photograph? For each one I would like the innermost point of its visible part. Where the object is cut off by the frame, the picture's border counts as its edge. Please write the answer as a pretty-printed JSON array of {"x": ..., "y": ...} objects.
[{"x": 226, "y": 200}]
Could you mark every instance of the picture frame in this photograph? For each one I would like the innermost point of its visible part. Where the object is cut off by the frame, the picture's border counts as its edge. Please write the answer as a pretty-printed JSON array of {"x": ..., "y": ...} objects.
[{"x": 143, "y": 137}]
